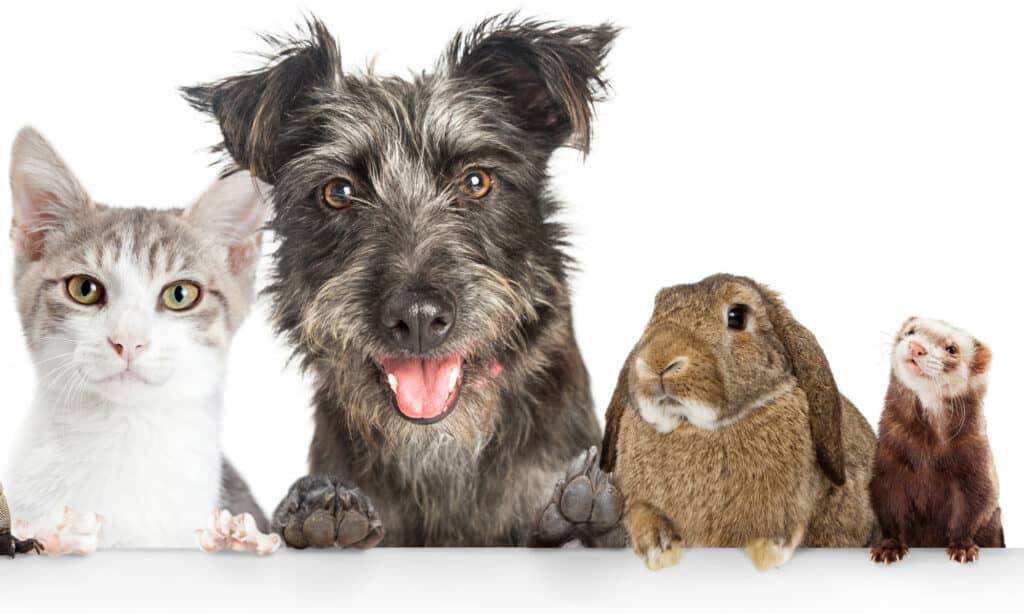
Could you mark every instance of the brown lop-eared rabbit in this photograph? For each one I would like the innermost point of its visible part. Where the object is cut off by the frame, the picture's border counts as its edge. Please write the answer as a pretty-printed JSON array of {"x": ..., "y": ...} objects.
[{"x": 726, "y": 429}]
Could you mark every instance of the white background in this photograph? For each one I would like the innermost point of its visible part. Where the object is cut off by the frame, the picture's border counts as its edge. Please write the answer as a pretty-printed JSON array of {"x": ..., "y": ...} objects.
[{"x": 863, "y": 158}]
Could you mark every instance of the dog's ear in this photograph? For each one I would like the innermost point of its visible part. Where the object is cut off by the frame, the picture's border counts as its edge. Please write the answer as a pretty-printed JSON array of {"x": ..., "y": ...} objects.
[
  {"x": 550, "y": 74},
  {"x": 252, "y": 108},
  {"x": 815, "y": 378}
]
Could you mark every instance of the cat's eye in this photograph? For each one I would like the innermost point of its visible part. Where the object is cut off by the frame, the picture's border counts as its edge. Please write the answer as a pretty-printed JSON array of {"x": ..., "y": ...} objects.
[
  {"x": 737, "y": 316},
  {"x": 85, "y": 290},
  {"x": 476, "y": 183},
  {"x": 180, "y": 295},
  {"x": 337, "y": 193}
]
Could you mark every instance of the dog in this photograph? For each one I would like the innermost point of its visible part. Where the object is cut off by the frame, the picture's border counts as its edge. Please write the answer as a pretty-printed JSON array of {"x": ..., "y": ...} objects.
[{"x": 421, "y": 279}]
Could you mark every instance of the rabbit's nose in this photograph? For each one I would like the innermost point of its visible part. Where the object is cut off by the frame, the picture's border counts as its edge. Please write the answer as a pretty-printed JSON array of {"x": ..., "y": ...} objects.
[
  {"x": 675, "y": 366},
  {"x": 917, "y": 350}
]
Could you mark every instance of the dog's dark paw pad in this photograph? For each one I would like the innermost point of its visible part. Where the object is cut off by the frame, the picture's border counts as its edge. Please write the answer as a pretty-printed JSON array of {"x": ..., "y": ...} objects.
[
  {"x": 586, "y": 505},
  {"x": 318, "y": 529},
  {"x": 577, "y": 500},
  {"x": 608, "y": 507},
  {"x": 553, "y": 528},
  {"x": 322, "y": 512}
]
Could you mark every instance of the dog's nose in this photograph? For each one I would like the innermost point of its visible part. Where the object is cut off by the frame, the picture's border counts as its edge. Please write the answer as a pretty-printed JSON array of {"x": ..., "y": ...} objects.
[
  {"x": 418, "y": 320},
  {"x": 917, "y": 350}
]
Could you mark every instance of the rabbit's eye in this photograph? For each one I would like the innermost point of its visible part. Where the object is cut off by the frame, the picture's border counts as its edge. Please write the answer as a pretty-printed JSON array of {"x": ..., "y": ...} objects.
[{"x": 738, "y": 316}]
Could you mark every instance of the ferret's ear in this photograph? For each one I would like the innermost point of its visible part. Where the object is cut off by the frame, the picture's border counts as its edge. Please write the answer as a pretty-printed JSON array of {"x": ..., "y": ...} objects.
[
  {"x": 815, "y": 378},
  {"x": 252, "y": 108},
  {"x": 231, "y": 212},
  {"x": 46, "y": 196},
  {"x": 550, "y": 74},
  {"x": 982, "y": 358}
]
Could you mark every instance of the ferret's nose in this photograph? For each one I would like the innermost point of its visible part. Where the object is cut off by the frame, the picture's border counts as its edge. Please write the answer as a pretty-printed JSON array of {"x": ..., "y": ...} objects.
[{"x": 917, "y": 350}]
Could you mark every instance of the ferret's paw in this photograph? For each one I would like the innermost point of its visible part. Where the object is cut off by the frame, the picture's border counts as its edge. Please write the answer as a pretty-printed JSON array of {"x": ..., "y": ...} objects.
[
  {"x": 966, "y": 552},
  {"x": 768, "y": 554},
  {"x": 585, "y": 505},
  {"x": 889, "y": 551},
  {"x": 322, "y": 512}
]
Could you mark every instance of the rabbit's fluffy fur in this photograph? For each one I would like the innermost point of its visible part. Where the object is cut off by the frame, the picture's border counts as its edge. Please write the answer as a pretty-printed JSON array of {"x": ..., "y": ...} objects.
[{"x": 726, "y": 430}]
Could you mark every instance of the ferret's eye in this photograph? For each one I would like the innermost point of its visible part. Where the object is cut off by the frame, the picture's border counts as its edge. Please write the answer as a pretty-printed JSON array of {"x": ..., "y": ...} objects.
[
  {"x": 476, "y": 183},
  {"x": 337, "y": 193},
  {"x": 85, "y": 290},
  {"x": 737, "y": 317},
  {"x": 180, "y": 295},
  {"x": 911, "y": 332},
  {"x": 951, "y": 350}
]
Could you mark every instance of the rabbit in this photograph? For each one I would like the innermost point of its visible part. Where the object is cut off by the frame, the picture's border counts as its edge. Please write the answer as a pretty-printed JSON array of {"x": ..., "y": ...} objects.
[{"x": 726, "y": 429}]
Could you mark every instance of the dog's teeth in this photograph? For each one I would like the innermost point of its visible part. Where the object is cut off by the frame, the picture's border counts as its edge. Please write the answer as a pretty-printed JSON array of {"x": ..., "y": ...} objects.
[
  {"x": 393, "y": 382},
  {"x": 452, "y": 380}
]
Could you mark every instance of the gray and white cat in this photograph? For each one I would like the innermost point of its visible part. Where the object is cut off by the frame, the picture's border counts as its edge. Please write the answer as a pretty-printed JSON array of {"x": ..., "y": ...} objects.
[{"x": 128, "y": 315}]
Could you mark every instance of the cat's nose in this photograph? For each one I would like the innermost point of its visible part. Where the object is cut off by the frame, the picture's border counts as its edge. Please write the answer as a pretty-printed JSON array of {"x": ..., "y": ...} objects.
[{"x": 128, "y": 348}]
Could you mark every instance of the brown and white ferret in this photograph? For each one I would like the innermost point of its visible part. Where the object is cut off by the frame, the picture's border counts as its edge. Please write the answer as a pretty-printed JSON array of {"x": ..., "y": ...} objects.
[{"x": 934, "y": 481}]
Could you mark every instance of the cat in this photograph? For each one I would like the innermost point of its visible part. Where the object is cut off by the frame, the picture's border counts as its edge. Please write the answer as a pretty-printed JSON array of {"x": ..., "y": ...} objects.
[{"x": 128, "y": 315}]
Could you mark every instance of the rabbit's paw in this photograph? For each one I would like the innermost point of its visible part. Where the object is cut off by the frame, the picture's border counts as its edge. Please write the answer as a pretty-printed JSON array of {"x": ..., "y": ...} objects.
[
  {"x": 889, "y": 551},
  {"x": 663, "y": 555},
  {"x": 321, "y": 511},
  {"x": 586, "y": 505},
  {"x": 654, "y": 538},
  {"x": 963, "y": 552},
  {"x": 767, "y": 554}
]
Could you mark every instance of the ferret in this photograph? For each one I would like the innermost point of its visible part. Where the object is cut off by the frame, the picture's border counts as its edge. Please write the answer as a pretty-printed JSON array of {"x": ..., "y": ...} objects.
[{"x": 934, "y": 481}]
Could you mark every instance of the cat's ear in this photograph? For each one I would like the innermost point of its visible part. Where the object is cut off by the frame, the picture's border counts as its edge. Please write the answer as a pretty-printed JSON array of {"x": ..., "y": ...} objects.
[
  {"x": 232, "y": 211},
  {"x": 46, "y": 196}
]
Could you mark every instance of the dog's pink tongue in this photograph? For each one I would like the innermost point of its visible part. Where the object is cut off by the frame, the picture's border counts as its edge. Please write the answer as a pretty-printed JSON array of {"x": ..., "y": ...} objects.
[{"x": 422, "y": 387}]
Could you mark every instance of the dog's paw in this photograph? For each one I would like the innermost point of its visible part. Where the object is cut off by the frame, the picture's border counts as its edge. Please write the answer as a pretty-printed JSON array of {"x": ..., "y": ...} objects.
[
  {"x": 889, "y": 551},
  {"x": 768, "y": 554},
  {"x": 965, "y": 552},
  {"x": 585, "y": 505},
  {"x": 321, "y": 511}
]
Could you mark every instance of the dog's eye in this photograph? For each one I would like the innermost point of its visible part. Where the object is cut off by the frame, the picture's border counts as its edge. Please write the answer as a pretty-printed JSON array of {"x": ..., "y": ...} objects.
[
  {"x": 476, "y": 183},
  {"x": 85, "y": 290},
  {"x": 737, "y": 317},
  {"x": 951, "y": 350},
  {"x": 337, "y": 193}
]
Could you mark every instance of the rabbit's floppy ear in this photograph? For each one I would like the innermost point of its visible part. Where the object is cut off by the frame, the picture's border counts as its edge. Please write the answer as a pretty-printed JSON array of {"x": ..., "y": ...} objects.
[
  {"x": 815, "y": 378},
  {"x": 613, "y": 416}
]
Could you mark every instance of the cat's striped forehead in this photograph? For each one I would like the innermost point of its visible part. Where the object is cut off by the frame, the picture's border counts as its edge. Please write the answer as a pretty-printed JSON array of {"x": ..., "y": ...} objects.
[{"x": 156, "y": 242}]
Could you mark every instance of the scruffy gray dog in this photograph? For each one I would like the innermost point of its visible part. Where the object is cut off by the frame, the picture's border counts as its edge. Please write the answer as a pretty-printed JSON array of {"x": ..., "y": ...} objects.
[{"x": 422, "y": 281}]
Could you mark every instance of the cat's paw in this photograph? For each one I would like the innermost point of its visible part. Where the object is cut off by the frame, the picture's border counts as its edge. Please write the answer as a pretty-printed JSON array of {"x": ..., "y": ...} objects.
[
  {"x": 889, "y": 551},
  {"x": 964, "y": 552},
  {"x": 322, "y": 511},
  {"x": 585, "y": 505},
  {"x": 768, "y": 554}
]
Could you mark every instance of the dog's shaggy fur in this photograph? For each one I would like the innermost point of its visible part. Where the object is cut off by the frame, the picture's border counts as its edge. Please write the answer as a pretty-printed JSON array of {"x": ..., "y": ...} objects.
[{"x": 504, "y": 96}]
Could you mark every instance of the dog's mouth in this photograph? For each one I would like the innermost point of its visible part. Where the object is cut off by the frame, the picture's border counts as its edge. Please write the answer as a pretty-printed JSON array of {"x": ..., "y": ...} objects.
[{"x": 423, "y": 390}]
